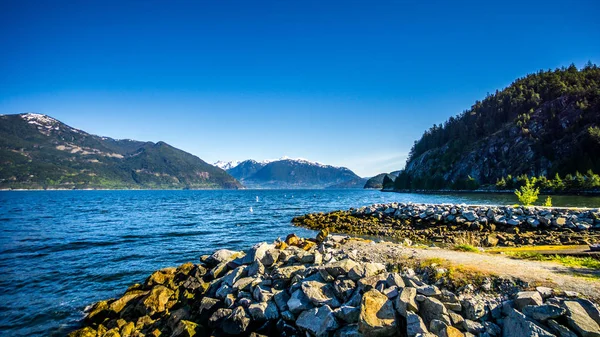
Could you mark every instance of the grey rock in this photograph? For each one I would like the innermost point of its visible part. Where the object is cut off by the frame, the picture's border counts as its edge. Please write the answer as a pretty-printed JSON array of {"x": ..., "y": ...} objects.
[
  {"x": 414, "y": 325},
  {"x": 455, "y": 319},
  {"x": 579, "y": 320},
  {"x": 391, "y": 292},
  {"x": 492, "y": 329},
  {"x": 262, "y": 293},
  {"x": 318, "y": 321},
  {"x": 590, "y": 308},
  {"x": 320, "y": 293},
  {"x": 429, "y": 290},
  {"x": 299, "y": 302},
  {"x": 270, "y": 257},
  {"x": 406, "y": 301},
  {"x": 436, "y": 326},
  {"x": 355, "y": 299},
  {"x": 473, "y": 308},
  {"x": 222, "y": 255},
  {"x": 365, "y": 270},
  {"x": 231, "y": 277},
  {"x": 263, "y": 311},
  {"x": 395, "y": 279},
  {"x": 256, "y": 268},
  {"x": 218, "y": 317},
  {"x": 347, "y": 314},
  {"x": 431, "y": 308},
  {"x": 223, "y": 291},
  {"x": 281, "y": 298},
  {"x": 516, "y": 325},
  {"x": 472, "y": 326},
  {"x": 243, "y": 283},
  {"x": 286, "y": 272},
  {"x": 339, "y": 268},
  {"x": 544, "y": 312},
  {"x": 288, "y": 316},
  {"x": 560, "y": 329},
  {"x": 469, "y": 215},
  {"x": 236, "y": 323},
  {"x": 348, "y": 331},
  {"x": 525, "y": 298},
  {"x": 344, "y": 288}
]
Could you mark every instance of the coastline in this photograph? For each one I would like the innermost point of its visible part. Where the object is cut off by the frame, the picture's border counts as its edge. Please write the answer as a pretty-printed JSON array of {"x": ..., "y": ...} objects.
[
  {"x": 337, "y": 286},
  {"x": 450, "y": 224}
]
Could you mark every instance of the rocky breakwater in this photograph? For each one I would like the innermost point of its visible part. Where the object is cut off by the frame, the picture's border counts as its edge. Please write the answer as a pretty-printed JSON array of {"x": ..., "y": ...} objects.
[
  {"x": 301, "y": 287},
  {"x": 457, "y": 224}
]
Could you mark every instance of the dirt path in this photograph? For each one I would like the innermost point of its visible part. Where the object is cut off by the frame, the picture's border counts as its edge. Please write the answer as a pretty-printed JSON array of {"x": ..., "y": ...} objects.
[{"x": 535, "y": 272}]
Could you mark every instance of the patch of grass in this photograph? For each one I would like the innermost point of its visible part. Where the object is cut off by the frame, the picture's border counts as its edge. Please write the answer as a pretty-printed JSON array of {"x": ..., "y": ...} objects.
[
  {"x": 532, "y": 248},
  {"x": 566, "y": 260},
  {"x": 466, "y": 248}
]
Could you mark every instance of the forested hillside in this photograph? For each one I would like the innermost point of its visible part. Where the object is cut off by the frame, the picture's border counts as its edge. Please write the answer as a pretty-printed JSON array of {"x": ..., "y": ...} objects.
[
  {"x": 544, "y": 124},
  {"x": 40, "y": 152}
]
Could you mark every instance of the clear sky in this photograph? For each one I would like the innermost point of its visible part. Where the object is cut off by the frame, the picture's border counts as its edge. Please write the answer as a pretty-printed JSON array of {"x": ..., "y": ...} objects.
[{"x": 348, "y": 83}]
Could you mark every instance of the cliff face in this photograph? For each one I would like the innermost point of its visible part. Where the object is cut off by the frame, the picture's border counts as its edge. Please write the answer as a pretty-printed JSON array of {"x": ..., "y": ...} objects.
[
  {"x": 551, "y": 141},
  {"x": 543, "y": 124}
]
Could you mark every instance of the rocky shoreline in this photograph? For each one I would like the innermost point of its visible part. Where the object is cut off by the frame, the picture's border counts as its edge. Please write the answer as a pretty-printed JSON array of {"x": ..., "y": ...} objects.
[
  {"x": 485, "y": 226},
  {"x": 324, "y": 287}
]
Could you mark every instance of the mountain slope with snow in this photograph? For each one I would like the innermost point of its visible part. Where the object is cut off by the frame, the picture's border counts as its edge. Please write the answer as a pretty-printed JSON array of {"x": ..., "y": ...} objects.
[
  {"x": 40, "y": 152},
  {"x": 289, "y": 173}
]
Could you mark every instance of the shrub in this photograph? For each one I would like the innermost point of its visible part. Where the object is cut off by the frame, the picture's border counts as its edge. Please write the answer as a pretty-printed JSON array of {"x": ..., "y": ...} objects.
[
  {"x": 527, "y": 194},
  {"x": 466, "y": 248},
  {"x": 548, "y": 202}
]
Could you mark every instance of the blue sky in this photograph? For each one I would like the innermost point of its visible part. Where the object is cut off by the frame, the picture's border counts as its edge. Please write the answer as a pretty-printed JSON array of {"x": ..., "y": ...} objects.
[{"x": 349, "y": 83}]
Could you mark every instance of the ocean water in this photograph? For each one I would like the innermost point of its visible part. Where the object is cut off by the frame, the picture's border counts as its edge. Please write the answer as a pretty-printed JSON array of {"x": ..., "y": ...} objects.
[{"x": 63, "y": 250}]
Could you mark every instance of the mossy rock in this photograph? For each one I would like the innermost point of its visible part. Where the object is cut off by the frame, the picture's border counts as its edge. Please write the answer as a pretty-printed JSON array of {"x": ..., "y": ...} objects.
[{"x": 85, "y": 332}]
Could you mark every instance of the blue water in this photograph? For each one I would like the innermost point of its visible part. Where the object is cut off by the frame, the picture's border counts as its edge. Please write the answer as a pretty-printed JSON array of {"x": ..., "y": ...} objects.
[{"x": 63, "y": 250}]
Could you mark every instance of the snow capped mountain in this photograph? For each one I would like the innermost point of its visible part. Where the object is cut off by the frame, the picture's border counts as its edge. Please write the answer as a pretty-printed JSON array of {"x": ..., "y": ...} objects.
[
  {"x": 227, "y": 165},
  {"x": 286, "y": 172}
]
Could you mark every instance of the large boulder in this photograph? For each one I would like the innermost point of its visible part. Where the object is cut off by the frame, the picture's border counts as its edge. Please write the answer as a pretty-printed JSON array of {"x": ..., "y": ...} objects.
[
  {"x": 405, "y": 301},
  {"x": 84, "y": 332},
  {"x": 377, "y": 315},
  {"x": 186, "y": 329},
  {"x": 320, "y": 294},
  {"x": 236, "y": 323},
  {"x": 365, "y": 270},
  {"x": 222, "y": 255},
  {"x": 431, "y": 308},
  {"x": 263, "y": 311},
  {"x": 156, "y": 300},
  {"x": 414, "y": 324},
  {"x": 525, "y": 298},
  {"x": 544, "y": 312},
  {"x": 298, "y": 302},
  {"x": 580, "y": 321},
  {"x": 517, "y": 325},
  {"x": 318, "y": 321},
  {"x": 340, "y": 268}
]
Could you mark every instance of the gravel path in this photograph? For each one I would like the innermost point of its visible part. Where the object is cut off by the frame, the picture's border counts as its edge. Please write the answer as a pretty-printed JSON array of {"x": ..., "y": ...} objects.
[{"x": 534, "y": 272}]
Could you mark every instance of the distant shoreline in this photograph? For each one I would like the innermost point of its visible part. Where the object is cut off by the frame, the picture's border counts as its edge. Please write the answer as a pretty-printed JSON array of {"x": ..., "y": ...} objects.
[{"x": 580, "y": 193}]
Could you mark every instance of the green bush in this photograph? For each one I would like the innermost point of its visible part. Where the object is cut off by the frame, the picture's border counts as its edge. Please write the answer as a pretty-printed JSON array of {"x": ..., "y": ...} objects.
[
  {"x": 527, "y": 194},
  {"x": 548, "y": 202}
]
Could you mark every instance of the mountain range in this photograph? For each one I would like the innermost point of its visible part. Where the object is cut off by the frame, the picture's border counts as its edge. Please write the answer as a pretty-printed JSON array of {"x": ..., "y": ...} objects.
[
  {"x": 290, "y": 173},
  {"x": 40, "y": 152}
]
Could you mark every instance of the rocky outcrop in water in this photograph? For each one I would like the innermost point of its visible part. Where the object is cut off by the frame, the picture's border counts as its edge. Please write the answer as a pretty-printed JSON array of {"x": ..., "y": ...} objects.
[
  {"x": 300, "y": 287},
  {"x": 454, "y": 224}
]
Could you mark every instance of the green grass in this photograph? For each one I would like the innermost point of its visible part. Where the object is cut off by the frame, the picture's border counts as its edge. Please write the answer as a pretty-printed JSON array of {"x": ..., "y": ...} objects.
[
  {"x": 466, "y": 248},
  {"x": 569, "y": 261}
]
